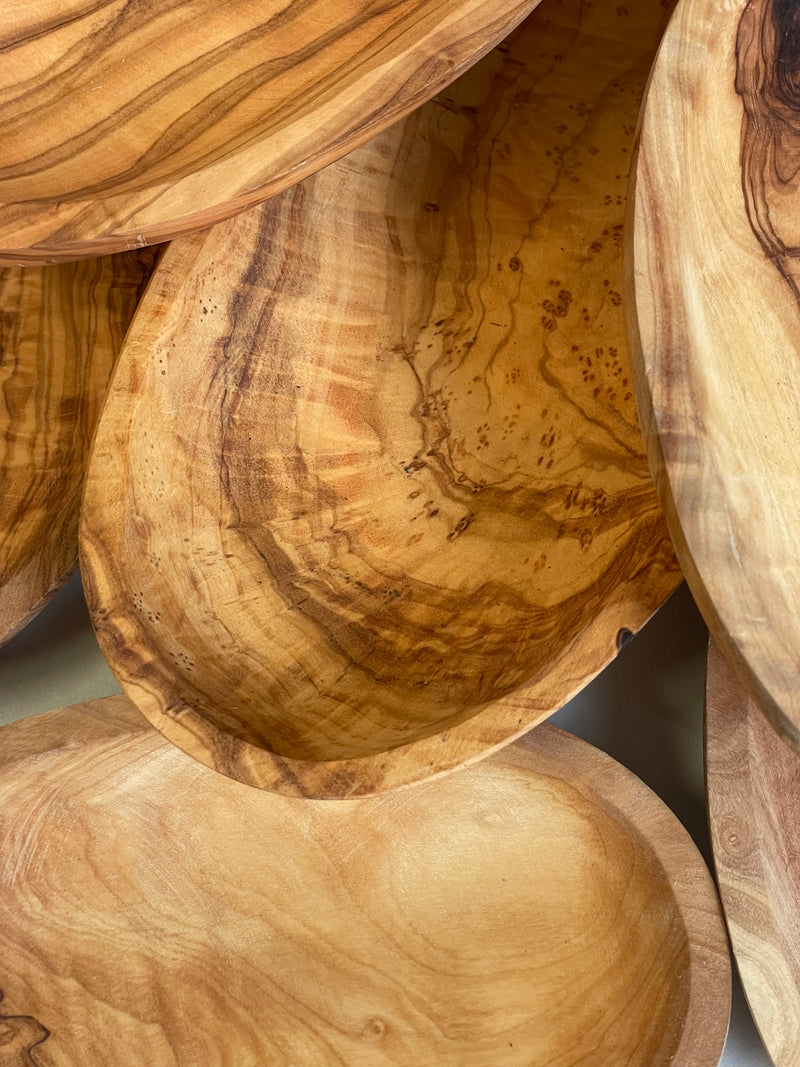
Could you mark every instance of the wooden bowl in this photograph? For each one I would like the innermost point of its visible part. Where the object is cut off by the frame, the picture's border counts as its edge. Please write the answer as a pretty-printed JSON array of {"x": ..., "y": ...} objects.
[
  {"x": 541, "y": 907},
  {"x": 752, "y": 776},
  {"x": 368, "y": 497},
  {"x": 715, "y": 327},
  {"x": 61, "y": 330},
  {"x": 122, "y": 125}
]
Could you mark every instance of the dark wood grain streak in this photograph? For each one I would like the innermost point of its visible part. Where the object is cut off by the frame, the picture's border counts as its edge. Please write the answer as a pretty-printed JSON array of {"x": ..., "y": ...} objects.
[
  {"x": 370, "y": 479},
  {"x": 542, "y": 907},
  {"x": 768, "y": 81},
  {"x": 20, "y": 1037},
  {"x": 127, "y": 123},
  {"x": 61, "y": 329}
]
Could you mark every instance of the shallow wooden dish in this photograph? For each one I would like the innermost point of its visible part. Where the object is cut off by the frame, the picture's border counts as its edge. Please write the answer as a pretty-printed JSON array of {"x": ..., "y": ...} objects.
[
  {"x": 716, "y": 324},
  {"x": 125, "y": 124},
  {"x": 541, "y": 907},
  {"x": 370, "y": 462},
  {"x": 753, "y": 779},
  {"x": 61, "y": 329}
]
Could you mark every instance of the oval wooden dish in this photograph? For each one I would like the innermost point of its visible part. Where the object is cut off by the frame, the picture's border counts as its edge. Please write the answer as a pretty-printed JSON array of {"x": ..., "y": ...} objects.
[
  {"x": 125, "y": 124},
  {"x": 715, "y": 318},
  {"x": 541, "y": 907},
  {"x": 61, "y": 329},
  {"x": 753, "y": 778},
  {"x": 368, "y": 497}
]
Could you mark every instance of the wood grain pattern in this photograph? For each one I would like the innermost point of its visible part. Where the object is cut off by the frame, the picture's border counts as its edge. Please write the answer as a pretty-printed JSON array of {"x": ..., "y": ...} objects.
[
  {"x": 127, "y": 123},
  {"x": 767, "y": 54},
  {"x": 61, "y": 329},
  {"x": 753, "y": 786},
  {"x": 370, "y": 462},
  {"x": 541, "y": 907},
  {"x": 715, "y": 327},
  {"x": 20, "y": 1036}
]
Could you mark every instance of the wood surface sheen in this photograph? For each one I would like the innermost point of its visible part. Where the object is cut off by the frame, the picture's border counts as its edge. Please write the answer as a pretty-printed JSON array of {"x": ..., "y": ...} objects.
[
  {"x": 370, "y": 462},
  {"x": 753, "y": 790},
  {"x": 541, "y": 907},
  {"x": 125, "y": 122},
  {"x": 715, "y": 325},
  {"x": 61, "y": 329}
]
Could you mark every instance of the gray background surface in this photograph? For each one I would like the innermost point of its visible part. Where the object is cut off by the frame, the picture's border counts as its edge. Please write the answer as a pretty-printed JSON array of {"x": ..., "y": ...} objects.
[{"x": 645, "y": 709}]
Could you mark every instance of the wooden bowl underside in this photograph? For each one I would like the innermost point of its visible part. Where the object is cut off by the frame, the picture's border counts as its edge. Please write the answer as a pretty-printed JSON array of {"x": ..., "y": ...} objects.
[
  {"x": 127, "y": 123},
  {"x": 716, "y": 325},
  {"x": 541, "y": 907},
  {"x": 61, "y": 329},
  {"x": 753, "y": 789},
  {"x": 369, "y": 496}
]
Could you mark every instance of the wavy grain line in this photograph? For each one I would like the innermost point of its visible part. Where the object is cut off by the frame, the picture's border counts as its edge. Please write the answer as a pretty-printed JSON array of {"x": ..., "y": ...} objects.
[
  {"x": 768, "y": 82},
  {"x": 20, "y": 1036}
]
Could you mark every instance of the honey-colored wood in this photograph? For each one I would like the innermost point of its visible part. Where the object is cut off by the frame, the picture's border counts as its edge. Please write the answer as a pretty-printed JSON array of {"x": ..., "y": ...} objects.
[
  {"x": 541, "y": 907},
  {"x": 370, "y": 462},
  {"x": 127, "y": 123},
  {"x": 715, "y": 325},
  {"x": 61, "y": 329},
  {"x": 753, "y": 778}
]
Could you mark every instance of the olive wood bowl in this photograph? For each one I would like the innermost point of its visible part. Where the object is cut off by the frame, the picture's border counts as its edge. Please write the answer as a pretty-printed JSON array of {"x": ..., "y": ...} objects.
[
  {"x": 61, "y": 330},
  {"x": 714, "y": 284},
  {"x": 540, "y": 907},
  {"x": 123, "y": 124},
  {"x": 753, "y": 777},
  {"x": 368, "y": 496}
]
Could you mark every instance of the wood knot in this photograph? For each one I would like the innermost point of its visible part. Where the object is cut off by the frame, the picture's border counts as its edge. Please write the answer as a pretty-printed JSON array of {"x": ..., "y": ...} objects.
[
  {"x": 374, "y": 1029},
  {"x": 19, "y": 1035}
]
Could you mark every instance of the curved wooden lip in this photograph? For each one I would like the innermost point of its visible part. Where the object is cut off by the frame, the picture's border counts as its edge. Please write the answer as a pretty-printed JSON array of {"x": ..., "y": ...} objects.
[
  {"x": 487, "y": 732},
  {"x": 545, "y": 754},
  {"x": 704, "y": 1033},
  {"x": 713, "y": 347},
  {"x": 650, "y": 577},
  {"x": 752, "y": 778},
  {"x": 411, "y": 56}
]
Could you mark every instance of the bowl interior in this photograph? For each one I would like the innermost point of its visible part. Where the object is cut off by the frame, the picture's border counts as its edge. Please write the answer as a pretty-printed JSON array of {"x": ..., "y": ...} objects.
[
  {"x": 514, "y": 912},
  {"x": 370, "y": 463}
]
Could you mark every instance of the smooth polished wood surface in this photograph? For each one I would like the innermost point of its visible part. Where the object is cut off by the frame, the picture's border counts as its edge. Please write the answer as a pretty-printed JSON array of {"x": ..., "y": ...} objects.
[
  {"x": 127, "y": 123},
  {"x": 541, "y": 907},
  {"x": 715, "y": 326},
  {"x": 370, "y": 462},
  {"x": 61, "y": 329},
  {"x": 753, "y": 778}
]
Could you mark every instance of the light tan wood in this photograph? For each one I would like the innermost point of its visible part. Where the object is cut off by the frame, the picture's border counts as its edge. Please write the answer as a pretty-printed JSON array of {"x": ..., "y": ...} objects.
[
  {"x": 61, "y": 329},
  {"x": 124, "y": 124},
  {"x": 370, "y": 462},
  {"x": 715, "y": 329},
  {"x": 541, "y": 907},
  {"x": 753, "y": 813}
]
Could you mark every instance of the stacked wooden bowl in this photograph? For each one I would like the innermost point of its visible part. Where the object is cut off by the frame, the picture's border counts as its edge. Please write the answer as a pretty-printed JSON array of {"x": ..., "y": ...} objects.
[
  {"x": 713, "y": 296},
  {"x": 361, "y": 496}
]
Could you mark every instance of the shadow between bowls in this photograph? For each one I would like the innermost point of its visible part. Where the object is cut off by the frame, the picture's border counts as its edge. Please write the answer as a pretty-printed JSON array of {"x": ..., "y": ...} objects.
[{"x": 368, "y": 498}]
